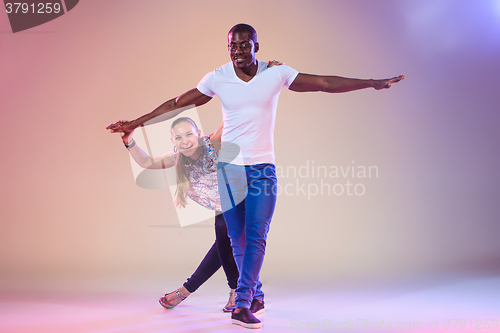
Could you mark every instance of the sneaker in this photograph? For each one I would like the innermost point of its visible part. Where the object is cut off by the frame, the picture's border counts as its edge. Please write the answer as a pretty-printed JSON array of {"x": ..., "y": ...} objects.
[
  {"x": 245, "y": 318},
  {"x": 257, "y": 307}
]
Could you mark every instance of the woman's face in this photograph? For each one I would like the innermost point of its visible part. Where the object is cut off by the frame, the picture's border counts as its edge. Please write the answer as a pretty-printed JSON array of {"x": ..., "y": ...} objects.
[{"x": 185, "y": 138}]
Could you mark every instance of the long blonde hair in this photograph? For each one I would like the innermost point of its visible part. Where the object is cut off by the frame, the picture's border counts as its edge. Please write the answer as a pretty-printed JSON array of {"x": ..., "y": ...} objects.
[{"x": 183, "y": 183}]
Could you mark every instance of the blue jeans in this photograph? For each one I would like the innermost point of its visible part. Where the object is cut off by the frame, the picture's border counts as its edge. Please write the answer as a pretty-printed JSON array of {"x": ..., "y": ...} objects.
[{"x": 248, "y": 198}]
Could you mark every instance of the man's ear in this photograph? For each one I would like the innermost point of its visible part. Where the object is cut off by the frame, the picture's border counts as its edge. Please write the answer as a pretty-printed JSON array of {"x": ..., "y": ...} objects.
[{"x": 256, "y": 47}]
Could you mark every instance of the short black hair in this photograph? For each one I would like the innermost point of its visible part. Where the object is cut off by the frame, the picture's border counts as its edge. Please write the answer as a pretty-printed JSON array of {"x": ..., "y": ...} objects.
[{"x": 242, "y": 27}]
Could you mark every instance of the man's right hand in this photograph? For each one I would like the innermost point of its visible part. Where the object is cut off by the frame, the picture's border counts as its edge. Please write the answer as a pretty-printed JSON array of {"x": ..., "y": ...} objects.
[{"x": 124, "y": 126}]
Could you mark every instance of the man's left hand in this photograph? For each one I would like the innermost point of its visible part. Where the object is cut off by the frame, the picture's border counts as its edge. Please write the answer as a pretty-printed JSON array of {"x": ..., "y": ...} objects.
[{"x": 385, "y": 84}]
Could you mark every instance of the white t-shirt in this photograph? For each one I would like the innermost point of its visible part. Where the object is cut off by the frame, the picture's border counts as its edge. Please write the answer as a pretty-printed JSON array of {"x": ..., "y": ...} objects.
[{"x": 249, "y": 110}]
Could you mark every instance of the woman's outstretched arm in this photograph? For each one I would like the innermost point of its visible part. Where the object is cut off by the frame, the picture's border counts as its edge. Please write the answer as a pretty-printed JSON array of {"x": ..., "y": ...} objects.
[{"x": 143, "y": 159}]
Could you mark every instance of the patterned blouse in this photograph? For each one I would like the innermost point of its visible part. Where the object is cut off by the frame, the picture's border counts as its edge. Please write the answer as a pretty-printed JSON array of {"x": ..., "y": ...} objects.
[{"x": 202, "y": 175}]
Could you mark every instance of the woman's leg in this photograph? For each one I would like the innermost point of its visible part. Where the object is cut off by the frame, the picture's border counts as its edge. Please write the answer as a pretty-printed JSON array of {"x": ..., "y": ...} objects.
[
  {"x": 225, "y": 251},
  {"x": 220, "y": 254},
  {"x": 226, "y": 259},
  {"x": 208, "y": 266}
]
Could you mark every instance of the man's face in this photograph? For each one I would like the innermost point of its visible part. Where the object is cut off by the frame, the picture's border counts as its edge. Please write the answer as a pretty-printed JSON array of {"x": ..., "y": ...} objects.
[{"x": 242, "y": 49}]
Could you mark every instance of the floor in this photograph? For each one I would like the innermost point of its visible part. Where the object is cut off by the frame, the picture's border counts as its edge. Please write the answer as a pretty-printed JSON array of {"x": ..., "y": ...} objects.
[{"x": 428, "y": 305}]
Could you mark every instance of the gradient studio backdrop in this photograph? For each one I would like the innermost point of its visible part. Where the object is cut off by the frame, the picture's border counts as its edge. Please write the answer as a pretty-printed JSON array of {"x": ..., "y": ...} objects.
[{"x": 72, "y": 215}]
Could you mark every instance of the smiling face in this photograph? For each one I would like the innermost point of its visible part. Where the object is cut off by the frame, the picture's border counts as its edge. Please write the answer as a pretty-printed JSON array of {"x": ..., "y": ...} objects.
[
  {"x": 185, "y": 138},
  {"x": 242, "y": 49}
]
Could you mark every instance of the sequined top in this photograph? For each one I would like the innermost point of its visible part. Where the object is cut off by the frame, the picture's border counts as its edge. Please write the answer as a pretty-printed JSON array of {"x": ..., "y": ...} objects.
[{"x": 202, "y": 175}]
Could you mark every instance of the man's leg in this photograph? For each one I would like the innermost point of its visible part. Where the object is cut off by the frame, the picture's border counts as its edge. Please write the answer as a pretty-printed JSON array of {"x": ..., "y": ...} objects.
[
  {"x": 232, "y": 190},
  {"x": 259, "y": 208},
  {"x": 248, "y": 199}
]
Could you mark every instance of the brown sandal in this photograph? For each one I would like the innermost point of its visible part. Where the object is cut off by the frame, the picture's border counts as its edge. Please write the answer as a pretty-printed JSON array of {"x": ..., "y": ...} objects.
[
  {"x": 164, "y": 301},
  {"x": 229, "y": 308}
]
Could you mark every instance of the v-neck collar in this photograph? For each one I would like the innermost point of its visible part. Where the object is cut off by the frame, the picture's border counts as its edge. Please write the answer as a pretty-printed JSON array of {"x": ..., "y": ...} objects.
[{"x": 252, "y": 79}]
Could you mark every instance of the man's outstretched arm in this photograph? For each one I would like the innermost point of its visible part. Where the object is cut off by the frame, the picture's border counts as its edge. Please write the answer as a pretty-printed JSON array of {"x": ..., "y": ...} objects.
[
  {"x": 174, "y": 106},
  {"x": 336, "y": 84}
]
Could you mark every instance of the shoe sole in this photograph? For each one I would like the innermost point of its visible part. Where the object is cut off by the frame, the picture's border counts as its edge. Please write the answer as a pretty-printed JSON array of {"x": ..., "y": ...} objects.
[
  {"x": 166, "y": 306},
  {"x": 246, "y": 325},
  {"x": 261, "y": 311}
]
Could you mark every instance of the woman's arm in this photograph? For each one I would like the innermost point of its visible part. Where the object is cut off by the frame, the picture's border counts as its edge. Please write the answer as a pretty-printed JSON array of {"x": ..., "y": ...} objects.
[
  {"x": 216, "y": 136},
  {"x": 143, "y": 159}
]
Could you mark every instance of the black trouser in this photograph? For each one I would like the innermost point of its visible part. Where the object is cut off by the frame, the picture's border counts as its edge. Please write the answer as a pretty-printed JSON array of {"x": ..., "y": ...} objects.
[{"x": 220, "y": 254}]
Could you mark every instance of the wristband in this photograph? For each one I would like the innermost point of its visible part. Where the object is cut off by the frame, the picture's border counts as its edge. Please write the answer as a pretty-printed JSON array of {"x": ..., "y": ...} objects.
[{"x": 130, "y": 145}]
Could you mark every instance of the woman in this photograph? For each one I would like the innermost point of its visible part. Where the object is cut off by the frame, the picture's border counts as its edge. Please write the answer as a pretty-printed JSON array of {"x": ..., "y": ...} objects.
[{"x": 195, "y": 160}]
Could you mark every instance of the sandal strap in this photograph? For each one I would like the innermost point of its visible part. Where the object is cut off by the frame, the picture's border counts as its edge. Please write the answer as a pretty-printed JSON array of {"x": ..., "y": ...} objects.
[
  {"x": 177, "y": 294},
  {"x": 232, "y": 294}
]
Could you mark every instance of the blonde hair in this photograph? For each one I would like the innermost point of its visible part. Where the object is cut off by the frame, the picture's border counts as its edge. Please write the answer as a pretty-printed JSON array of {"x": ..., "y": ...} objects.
[{"x": 183, "y": 183}]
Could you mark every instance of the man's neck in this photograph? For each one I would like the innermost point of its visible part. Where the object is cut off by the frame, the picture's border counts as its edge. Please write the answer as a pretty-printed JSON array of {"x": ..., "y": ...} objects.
[{"x": 247, "y": 73}]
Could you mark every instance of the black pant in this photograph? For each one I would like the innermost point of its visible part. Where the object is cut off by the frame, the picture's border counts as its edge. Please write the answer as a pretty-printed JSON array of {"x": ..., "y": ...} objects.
[{"x": 220, "y": 254}]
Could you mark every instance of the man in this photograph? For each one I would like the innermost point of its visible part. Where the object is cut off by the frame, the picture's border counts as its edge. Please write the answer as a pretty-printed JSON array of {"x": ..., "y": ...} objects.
[{"x": 249, "y": 93}]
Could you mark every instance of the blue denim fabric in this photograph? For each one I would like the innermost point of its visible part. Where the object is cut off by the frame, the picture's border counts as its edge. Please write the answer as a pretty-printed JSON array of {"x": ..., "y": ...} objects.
[{"x": 248, "y": 198}]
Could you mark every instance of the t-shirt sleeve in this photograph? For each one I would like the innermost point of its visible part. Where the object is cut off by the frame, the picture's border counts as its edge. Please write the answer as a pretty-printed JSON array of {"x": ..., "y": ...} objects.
[
  {"x": 206, "y": 85},
  {"x": 288, "y": 74}
]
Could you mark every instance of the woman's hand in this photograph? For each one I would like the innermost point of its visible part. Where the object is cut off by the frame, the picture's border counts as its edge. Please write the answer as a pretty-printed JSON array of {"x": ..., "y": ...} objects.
[
  {"x": 127, "y": 137},
  {"x": 122, "y": 128},
  {"x": 274, "y": 63}
]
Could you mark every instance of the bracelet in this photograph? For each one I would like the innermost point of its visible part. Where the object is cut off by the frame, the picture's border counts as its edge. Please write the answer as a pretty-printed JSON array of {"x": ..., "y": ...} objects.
[{"x": 130, "y": 145}]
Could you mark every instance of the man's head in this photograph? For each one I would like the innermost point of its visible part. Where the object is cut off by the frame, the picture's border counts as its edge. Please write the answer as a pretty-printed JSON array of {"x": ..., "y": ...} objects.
[
  {"x": 242, "y": 27},
  {"x": 242, "y": 45}
]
